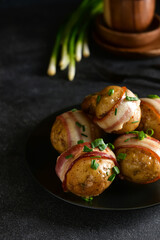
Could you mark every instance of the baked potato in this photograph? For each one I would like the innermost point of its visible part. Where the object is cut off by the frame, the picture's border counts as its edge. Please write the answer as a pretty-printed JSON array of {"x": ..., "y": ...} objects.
[
  {"x": 86, "y": 171},
  {"x": 70, "y": 127},
  {"x": 150, "y": 115},
  {"x": 139, "y": 157},
  {"x": 114, "y": 109}
]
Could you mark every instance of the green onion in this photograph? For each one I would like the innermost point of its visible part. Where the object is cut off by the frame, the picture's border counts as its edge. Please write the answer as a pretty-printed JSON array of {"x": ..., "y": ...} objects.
[
  {"x": 96, "y": 157},
  {"x": 72, "y": 38},
  {"x": 132, "y": 98},
  {"x": 115, "y": 111},
  {"x": 84, "y": 135},
  {"x": 150, "y": 132},
  {"x": 141, "y": 135},
  {"x": 153, "y": 96},
  {"x": 69, "y": 156},
  {"x": 121, "y": 156},
  {"x": 74, "y": 110},
  {"x": 111, "y": 146},
  {"x": 78, "y": 124},
  {"x": 94, "y": 165},
  {"x": 99, "y": 143},
  {"x": 112, "y": 177},
  {"x": 111, "y": 92},
  {"x": 87, "y": 199},
  {"x": 87, "y": 149},
  {"x": 135, "y": 122},
  {"x": 116, "y": 170},
  {"x": 98, "y": 99},
  {"x": 80, "y": 141}
]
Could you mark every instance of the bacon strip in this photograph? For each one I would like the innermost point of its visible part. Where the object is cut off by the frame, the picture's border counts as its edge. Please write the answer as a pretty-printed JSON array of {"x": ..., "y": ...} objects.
[
  {"x": 149, "y": 144},
  {"x": 154, "y": 104},
  {"x": 125, "y": 110},
  {"x": 75, "y": 132}
]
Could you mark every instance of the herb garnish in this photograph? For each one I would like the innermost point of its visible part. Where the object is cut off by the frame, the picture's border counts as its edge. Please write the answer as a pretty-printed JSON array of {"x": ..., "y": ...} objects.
[
  {"x": 135, "y": 122},
  {"x": 69, "y": 156},
  {"x": 98, "y": 99},
  {"x": 140, "y": 135},
  {"x": 111, "y": 92},
  {"x": 150, "y": 132},
  {"x": 94, "y": 164},
  {"x": 115, "y": 111},
  {"x": 111, "y": 146},
  {"x": 87, "y": 199},
  {"x": 121, "y": 156},
  {"x": 116, "y": 171},
  {"x": 87, "y": 149},
  {"x": 153, "y": 96},
  {"x": 80, "y": 141},
  {"x": 99, "y": 143},
  {"x": 84, "y": 135},
  {"x": 74, "y": 110},
  {"x": 112, "y": 177},
  {"x": 131, "y": 98}
]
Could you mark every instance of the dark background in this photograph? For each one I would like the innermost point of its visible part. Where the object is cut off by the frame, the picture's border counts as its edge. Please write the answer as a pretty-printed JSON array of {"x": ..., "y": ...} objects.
[{"x": 27, "y": 96}]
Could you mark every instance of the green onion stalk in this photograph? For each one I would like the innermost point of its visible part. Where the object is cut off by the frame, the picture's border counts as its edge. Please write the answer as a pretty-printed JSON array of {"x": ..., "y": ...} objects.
[{"x": 72, "y": 38}]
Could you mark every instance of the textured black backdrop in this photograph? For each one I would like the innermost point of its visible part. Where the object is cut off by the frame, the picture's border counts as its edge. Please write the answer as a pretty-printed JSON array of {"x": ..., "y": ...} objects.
[{"x": 28, "y": 95}]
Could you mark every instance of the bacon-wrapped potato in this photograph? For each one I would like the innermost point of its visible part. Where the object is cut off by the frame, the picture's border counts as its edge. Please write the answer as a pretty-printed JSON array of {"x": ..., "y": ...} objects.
[
  {"x": 86, "y": 171},
  {"x": 70, "y": 127},
  {"x": 139, "y": 157},
  {"x": 150, "y": 115},
  {"x": 114, "y": 109}
]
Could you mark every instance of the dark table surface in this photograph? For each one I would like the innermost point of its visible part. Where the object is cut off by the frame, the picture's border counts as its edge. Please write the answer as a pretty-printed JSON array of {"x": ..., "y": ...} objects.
[{"x": 27, "y": 96}]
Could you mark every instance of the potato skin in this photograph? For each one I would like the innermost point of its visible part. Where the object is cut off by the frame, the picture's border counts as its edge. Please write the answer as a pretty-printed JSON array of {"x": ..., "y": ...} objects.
[
  {"x": 90, "y": 105},
  {"x": 150, "y": 120},
  {"x": 139, "y": 166},
  {"x": 84, "y": 181},
  {"x": 58, "y": 136}
]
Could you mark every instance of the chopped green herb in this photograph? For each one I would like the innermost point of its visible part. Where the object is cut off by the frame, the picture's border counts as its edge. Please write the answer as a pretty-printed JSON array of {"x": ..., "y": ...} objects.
[
  {"x": 111, "y": 92},
  {"x": 135, "y": 122},
  {"x": 150, "y": 132},
  {"x": 87, "y": 199},
  {"x": 83, "y": 128},
  {"x": 98, "y": 99},
  {"x": 115, "y": 111},
  {"x": 80, "y": 141},
  {"x": 141, "y": 135},
  {"x": 132, "y": 98},
  {"x": 74, "y": 110},
  {"x": 102, "y": 147},
  {"x": 112, "y": 177},
  {"x": 84, "y": 135},
  {"x": 153, "y": 96},
  {"x": 111, "y": 146},
  {"x": 97, "y": 142},
  {"x": 69, "y": 156},
  {"x": 94, "y": 165},
  {"x": 87, "y": 149},
  {"x": 121, "y": 156},
  {"x": 130, "y": 139},
  {"x": 116, "y": 170},
  {"x": 78, "y": 124},
  {"x": 96, "y": 157}
]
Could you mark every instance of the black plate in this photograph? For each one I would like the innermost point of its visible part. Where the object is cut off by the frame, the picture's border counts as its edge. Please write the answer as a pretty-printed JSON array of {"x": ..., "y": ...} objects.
[{"x": 121, "y": 195}]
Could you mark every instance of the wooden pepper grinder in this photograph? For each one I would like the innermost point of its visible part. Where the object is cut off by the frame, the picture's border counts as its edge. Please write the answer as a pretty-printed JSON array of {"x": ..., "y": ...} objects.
[{"x": 129, "y": 15}]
